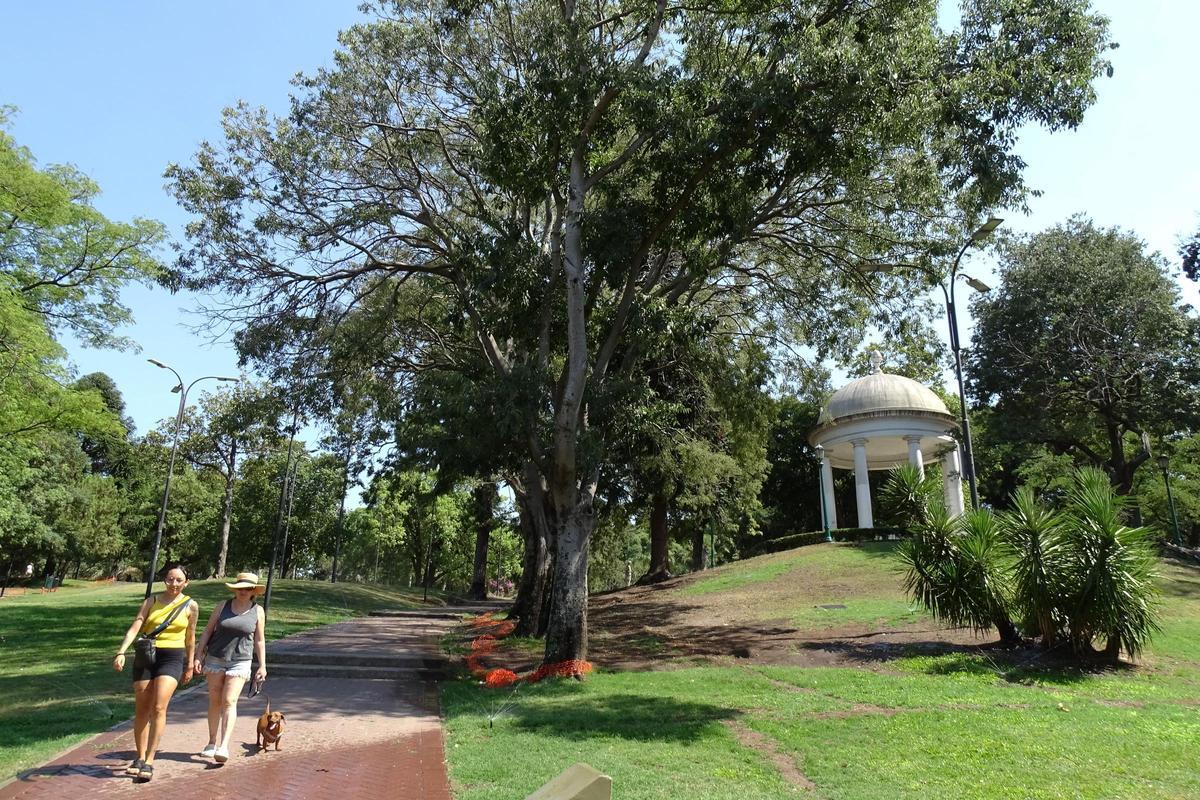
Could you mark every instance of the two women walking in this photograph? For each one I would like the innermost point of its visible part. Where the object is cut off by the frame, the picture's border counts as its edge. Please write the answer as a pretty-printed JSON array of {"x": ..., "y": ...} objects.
[{"x": 164, "y": 635}]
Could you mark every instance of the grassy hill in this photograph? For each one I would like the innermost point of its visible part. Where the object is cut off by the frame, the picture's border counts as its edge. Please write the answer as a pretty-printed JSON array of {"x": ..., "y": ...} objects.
[
  {"x": 807, "y": 674},
  {"x": 57, "y": 685}
]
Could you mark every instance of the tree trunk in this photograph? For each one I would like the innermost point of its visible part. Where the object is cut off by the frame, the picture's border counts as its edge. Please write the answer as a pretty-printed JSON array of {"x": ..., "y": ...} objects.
[
  {"x": 535, "y": 565},
  {"x": 1112, "y": 649},
  {"x": 566, "y": 632},
  {"x": 699, "y": 557},
  {"x": 660, "y": 556},
  {"x": 227, "y": 512},
  {"x": 571, "y": 494},
  {"x": 484, "y": 497},
  {"x": 1009, "y": 636},
  {"x": 341, "y": 518}
]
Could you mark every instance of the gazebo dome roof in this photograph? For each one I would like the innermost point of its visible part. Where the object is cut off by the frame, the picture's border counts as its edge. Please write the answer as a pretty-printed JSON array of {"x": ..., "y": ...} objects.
[{"x": 881, "y": 393}]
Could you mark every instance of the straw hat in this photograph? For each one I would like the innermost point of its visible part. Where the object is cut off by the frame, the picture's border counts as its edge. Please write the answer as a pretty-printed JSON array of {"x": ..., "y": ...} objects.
[{"x": 247, "y": 580}]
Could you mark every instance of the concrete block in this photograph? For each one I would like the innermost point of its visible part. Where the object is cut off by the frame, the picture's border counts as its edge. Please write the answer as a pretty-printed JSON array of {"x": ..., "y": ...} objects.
[{"x": 578, "y": 782}]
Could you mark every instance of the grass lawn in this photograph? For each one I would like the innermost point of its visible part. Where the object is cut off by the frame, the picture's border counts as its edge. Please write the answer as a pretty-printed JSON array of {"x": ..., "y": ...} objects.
[
  {"x": 56, "y": 680},
  {"x": 958, "y": 724}
]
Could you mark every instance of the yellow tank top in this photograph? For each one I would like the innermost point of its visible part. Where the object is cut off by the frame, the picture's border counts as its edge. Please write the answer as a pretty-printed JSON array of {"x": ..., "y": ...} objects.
[{"x": 172, "y": 635}]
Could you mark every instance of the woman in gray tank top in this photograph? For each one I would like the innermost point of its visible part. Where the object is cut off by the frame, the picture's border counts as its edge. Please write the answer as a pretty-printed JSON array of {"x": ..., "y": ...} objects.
[{"x": 233, "y": 638}]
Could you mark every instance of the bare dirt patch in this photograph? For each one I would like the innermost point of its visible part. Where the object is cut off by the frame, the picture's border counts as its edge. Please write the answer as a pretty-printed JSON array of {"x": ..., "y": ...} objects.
[
  {"x": 784, "y": 764},
  {"x": 665, "y": 625}
]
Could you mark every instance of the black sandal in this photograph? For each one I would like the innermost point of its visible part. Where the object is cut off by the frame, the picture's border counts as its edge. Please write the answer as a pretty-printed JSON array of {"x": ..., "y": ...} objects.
[
  {"x": 134, "y": 767},
  {"x": 146, "y": 772}
]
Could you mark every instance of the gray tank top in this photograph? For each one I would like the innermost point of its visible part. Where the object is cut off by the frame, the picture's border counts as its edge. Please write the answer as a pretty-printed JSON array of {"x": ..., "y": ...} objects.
[{"x": 233, "y": 639}]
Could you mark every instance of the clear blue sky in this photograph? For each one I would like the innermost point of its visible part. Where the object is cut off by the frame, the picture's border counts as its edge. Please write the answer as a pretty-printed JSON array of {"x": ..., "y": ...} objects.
[{"x": 121, "y": 89}]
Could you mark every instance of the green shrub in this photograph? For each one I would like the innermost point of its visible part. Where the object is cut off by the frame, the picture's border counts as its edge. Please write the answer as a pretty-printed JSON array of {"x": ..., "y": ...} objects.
[
  {"x": 794, "y": 540},
  {"x": 1079, "y": 575},
  {"x": 906, "y": 496}
]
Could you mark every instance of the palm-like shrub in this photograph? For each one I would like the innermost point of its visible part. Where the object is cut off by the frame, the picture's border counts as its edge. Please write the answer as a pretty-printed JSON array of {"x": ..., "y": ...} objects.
[
  {"x": 1080, "y": 574},
  {"x": 906, "y": 497},
  {"x": 960, "y": 570},
  {"x": 1035, "y": 534},
  {"x": 1110, "y": 570}
]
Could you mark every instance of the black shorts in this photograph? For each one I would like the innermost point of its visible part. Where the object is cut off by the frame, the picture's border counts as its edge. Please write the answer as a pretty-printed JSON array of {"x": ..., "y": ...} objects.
[{"x": 168, "y": 661}]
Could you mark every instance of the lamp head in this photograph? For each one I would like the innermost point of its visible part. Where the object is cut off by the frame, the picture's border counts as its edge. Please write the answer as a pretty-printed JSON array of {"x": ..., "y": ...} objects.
[
  {"x": 157, "y": 363},
  {"x": 1163, "y": 461},
  {"x": 985, "y": 230},
  {"x": 976, "y": 284}
]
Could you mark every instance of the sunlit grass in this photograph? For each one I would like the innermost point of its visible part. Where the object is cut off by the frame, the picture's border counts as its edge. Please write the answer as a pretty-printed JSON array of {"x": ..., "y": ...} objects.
[{"x": 963, "y": 724}]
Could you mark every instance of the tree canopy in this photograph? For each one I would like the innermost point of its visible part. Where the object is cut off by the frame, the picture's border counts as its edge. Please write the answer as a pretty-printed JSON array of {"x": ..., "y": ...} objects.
[
  {"x": 547, "y": 175},
  {"x": 1085, "y": 348},
  {"x": 65, "y": 260}
]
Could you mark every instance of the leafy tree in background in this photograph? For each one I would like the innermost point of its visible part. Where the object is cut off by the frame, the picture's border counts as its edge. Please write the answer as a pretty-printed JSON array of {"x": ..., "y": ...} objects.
[
  {"x": 790, "y": 495},
  {"x": 231, "y": 422},
  {"x": 1085, "y": 348},
  {"x": 62, "y": 266},
  {"x": 110, "y": 453},
  {"x": 65, "y": 260},
  {"x": 34, "y": 396},
  {"x": 1189, "y": 252},
  {"x": 553, "y": 171},
  {"x": 1183, "y": 455},
  {"x": 687, "y": 430}
]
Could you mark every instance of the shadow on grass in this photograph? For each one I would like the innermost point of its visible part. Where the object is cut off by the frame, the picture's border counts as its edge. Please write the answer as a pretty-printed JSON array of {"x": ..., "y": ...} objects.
[
  {"x": 1183, "y": 583},
  {"x": 635, "y": 717},
  {"x": 884, "y": 549},
  {"x": 562, "y": 710},
  {"x": 1026, "y": 666}
]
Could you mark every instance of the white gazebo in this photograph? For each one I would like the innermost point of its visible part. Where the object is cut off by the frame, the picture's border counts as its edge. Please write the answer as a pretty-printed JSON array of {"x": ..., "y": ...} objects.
[{"x": 878, "y": 422}]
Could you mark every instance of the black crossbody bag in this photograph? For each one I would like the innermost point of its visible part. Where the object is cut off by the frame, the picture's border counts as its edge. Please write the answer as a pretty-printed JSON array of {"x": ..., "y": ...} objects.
[{"x": 145, "y": 651}]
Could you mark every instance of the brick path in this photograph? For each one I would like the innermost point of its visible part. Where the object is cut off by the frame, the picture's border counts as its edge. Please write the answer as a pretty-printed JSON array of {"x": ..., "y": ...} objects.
[{"x": 373, "y": 737}]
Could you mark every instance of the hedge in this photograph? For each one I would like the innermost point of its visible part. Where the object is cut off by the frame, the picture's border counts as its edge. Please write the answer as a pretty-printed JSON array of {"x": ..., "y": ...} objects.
[{"x": 816, "y": 537}]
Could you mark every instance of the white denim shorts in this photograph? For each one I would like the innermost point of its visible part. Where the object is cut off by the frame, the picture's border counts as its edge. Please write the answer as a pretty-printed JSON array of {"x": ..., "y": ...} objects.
[{"x": 233, "y": 669}]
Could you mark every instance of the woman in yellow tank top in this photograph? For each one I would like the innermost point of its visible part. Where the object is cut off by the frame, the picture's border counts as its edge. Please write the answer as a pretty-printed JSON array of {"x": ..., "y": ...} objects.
[{"x": 153, "y": 686}]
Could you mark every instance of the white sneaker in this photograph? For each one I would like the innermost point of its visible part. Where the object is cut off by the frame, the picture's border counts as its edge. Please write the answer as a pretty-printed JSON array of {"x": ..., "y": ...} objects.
[
  {"x": 209, "y": 751},
  {"x": 220, "y": 755}
]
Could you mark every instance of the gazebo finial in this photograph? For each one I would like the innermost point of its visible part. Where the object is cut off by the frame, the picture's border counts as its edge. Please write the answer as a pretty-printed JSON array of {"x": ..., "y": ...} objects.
[{"x": 876, "y": 362}]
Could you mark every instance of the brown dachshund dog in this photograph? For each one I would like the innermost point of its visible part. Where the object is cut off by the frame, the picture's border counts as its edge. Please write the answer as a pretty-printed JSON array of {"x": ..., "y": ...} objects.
[{"x": 270, "y": 728}]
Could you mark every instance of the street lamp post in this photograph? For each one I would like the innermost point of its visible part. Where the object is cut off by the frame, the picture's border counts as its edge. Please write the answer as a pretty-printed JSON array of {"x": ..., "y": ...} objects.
[
  {"x": 284, "y": 510},
  {"x": 821, "y": 488},
  {"x": 1163, "y": 463},
  {"x": 162, "y": 510},
  {"x": 979, "y": 235},
  {"x": 947, "y": 287}
]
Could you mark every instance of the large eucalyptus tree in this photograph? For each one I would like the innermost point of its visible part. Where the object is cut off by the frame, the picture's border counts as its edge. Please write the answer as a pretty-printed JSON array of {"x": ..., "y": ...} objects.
[{"x": 548, "y": 171}]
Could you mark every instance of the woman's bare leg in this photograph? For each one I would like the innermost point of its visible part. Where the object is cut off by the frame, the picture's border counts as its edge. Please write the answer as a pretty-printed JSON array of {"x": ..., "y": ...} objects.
[
  {"x": 216, "y": 690},
  {"x": 233, "y": 688},
  {"x": 164, "y": 687},
  {"x": 143, "y": 709}
]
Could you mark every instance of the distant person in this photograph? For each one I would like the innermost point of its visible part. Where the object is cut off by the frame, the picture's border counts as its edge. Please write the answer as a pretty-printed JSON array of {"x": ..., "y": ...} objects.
[
  {"x": 170, "y": 620},
  {"x": 234, "y": 637},
  {"x": 28, "y": 571}
]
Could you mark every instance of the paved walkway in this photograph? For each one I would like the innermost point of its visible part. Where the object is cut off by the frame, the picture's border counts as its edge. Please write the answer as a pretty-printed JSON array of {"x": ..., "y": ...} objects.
[{"x": 376, "y": 736}]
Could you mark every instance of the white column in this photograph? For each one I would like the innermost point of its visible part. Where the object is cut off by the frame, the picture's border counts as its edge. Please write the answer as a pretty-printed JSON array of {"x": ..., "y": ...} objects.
[
  {"x": 827, "y": 492},
  {"x": 915, "y": 457},
  {"x": 952, "y": 482},
  {"x": 862, "y": 486}
]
